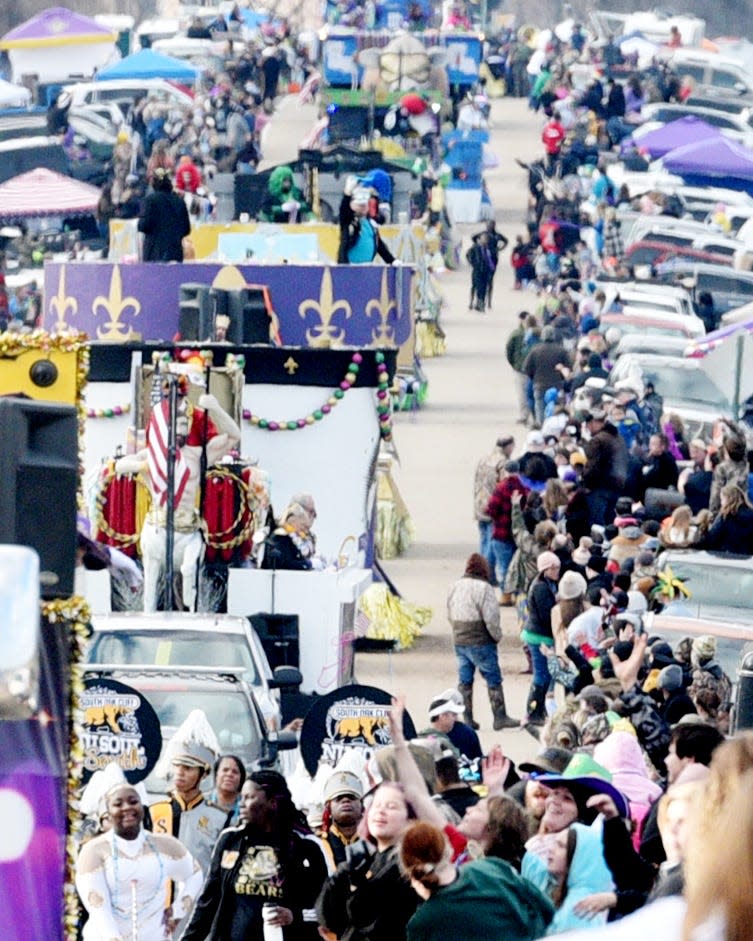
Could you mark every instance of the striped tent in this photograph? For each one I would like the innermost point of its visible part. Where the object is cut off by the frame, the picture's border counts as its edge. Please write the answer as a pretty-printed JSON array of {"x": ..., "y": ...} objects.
[{"x": 41, "y": 192}]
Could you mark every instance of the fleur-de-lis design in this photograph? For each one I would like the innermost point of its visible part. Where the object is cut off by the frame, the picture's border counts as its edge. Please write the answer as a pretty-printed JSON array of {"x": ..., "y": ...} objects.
[
  {"x": 385, "y": 332},
  {"x": 115, "y": 306},
  {"x": 61, "y": 303},
  {"x": 325, "y": 333}
]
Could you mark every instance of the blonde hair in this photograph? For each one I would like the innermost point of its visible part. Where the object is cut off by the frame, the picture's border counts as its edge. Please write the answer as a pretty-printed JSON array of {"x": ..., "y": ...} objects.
[
  {"x": 691, "y": 792},
  {"x": 719, "y": 871},
  {"x": 555, "y": 496},
  {"x": 735, "y": 499}
]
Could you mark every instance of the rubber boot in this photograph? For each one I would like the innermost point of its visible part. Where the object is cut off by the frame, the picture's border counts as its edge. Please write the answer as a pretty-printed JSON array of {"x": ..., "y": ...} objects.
[
  {"x": 466, "y": 691},
  {"x": 507, "y": 600},
  {"x": 529, "y": 662},
  {"x": 536, "y": 705},
  {"x": 499, "y": 712}
]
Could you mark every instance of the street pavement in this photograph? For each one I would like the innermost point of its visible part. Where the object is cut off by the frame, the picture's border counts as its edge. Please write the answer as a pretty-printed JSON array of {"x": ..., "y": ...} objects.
[{"x": 471, "y": 401}]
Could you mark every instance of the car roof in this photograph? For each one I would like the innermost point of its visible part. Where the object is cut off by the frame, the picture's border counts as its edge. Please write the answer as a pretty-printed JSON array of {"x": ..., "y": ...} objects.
[
  {"x": 660, "y": 359},
  {"x": 615, "y": 317},
  {"x": 726, "y": 559},
  {"x": 170, "y": 621},
  {"x": 162, "y": 677}
]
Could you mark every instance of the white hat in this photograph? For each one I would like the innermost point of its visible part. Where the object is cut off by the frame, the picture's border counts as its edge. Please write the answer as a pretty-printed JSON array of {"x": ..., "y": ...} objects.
[
  {"x": 361, "y": 196},
  {"x": 194, "y": 744},
  {"x": 448, "y": 701}
]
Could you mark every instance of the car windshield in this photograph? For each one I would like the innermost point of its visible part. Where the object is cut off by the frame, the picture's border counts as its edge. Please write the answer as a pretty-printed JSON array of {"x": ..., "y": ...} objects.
[
  {"x": 175, "y": 648},
  {"x": 228, "y": 711},
  {"x": 686, "y": 386},
  {"x": 715, "y": 586}
]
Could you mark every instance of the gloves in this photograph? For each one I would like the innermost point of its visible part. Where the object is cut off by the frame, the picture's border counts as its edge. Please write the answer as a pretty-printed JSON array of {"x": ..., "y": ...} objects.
[
  {"x": 358, "y": 861},
  {"x": 350, "y": 185}
]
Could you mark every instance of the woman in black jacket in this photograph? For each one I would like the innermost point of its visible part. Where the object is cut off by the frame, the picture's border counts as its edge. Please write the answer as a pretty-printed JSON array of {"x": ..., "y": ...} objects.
[
  {"x": 542, "y": 597},
  {"x": 732, "y": 530},
  {"x": 273, "y": 859}
]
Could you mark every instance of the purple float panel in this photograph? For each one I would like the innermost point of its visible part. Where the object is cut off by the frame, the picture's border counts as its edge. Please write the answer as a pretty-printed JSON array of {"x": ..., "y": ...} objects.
[{"x": 348, "y": 305}]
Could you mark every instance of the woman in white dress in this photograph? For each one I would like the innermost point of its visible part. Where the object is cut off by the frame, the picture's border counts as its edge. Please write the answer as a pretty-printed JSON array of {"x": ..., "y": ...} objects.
[{"x": 122, "y": 876}]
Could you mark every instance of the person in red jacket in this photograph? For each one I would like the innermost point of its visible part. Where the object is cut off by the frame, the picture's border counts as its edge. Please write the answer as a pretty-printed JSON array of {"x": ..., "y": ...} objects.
[
  {"x": 499, "y": 509},
  {"x": 187, "y": 175},
  {"x": 552, "y": 137}
]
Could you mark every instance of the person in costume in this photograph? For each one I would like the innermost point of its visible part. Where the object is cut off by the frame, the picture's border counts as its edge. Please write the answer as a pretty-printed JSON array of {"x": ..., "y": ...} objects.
[
  {"x": 343, "y": 810},
  {"x": 291, "y": 545},
  {"x": 122, "y": 876},
  {"x": 185, "y": 813},
  {"x": 208, "y": 429},
  {"x": 273, "y": 858},
  {"x": 283, "y": 201},
  {"x": 360, "y": 241}
]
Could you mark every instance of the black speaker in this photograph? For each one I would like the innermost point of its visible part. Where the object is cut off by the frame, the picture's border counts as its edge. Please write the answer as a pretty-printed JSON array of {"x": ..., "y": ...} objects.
[
  {"x": 38, "y": 483},
  {"x": 254, "y": 316},
  {"x": 279, "y": 635},
  {"x": 194, "y": 312},
  {"x": 661, "y": 503}
]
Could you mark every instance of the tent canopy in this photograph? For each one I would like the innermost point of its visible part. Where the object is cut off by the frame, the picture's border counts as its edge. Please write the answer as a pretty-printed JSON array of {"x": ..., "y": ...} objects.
[
  {"x": 715, "y": 158},
  {"x": 44, "y": 193},
  {"x": 680, "y": 133},
  {"x": 149, "y": 64},
  {"x": 56, "y": 27}
]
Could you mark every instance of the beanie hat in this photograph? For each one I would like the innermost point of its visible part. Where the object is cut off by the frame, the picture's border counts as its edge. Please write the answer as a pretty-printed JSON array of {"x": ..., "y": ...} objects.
[
  {"x": 704, "y": 647},
  {"x": 670, "y": 678},
  {"x": 545, "y": 561},
  {"x": 571, "y": 585}
]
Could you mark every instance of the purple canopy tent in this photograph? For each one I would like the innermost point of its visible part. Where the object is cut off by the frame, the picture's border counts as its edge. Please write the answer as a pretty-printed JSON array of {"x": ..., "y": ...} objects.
[
  {"x": 705, "y": 163},
  {"x": 56, "y": 27},
  {"x": 687, "y": 130}
]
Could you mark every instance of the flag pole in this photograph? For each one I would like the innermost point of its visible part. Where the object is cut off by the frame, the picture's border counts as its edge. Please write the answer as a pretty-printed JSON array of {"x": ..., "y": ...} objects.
[{"x": 170, "y": 506}]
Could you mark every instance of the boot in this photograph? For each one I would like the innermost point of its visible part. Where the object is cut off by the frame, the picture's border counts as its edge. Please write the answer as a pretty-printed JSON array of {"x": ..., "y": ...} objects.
[
  {"x": 466, "y": 691},
  {"x": 507, "y": 600},
  {"x": 529, "y": 661},
  {"x": 499, "y": 712},
  {"x": 536, "y": 706}
]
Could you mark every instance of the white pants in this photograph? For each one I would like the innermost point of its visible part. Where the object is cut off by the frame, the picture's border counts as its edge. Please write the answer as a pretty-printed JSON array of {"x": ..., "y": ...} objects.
[{"x": 188, "y": 554}]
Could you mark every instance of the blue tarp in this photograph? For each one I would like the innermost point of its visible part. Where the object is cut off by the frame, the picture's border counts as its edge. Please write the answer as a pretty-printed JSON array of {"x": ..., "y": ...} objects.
[{"x": 149, "y": 64}]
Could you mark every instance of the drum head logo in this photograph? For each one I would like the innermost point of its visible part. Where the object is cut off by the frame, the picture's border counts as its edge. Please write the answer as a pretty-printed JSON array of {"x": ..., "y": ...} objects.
[
  {"x": 349, "y": 717},
  {"x": 119, "y": 725}
]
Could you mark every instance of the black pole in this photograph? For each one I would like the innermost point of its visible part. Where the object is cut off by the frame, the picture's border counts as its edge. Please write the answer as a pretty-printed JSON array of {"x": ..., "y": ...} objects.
[{"x": 170, "y": 514}]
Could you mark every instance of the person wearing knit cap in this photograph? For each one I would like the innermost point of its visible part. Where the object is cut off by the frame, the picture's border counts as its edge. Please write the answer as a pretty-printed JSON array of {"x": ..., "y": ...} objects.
[
  {"x": 711, "y": 688},
  {"x": 542, "y": 597},
  {"x": 676, "y": 702},
  {"x": 184, "y": 813}
]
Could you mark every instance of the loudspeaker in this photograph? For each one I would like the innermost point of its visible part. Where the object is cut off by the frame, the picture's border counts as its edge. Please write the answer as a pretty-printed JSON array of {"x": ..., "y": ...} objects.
[
  {"x": 38, "y": 484},
  {"x": 254, "y": 316},
  {"x": 279, "y": 635},
  {"x": 194, "y": 312},
  {"x": 661, "y": 503}
]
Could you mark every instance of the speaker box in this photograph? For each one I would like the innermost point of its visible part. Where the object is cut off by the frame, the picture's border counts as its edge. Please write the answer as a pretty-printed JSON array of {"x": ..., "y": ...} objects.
[
  {"x": 194, "y": 312},
  {"x": 38, "y": 484},
  {"x": 743, "y": 709},
  {"x": 661, "y": 503},
  {"x": 254, "y": 315},
  {"x": 279, "y": 635}
]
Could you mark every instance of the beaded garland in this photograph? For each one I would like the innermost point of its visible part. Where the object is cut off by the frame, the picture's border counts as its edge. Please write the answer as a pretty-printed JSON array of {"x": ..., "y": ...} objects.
[
  {"x": 383, "y": 407},
  {"x": 115, "y": 412}
]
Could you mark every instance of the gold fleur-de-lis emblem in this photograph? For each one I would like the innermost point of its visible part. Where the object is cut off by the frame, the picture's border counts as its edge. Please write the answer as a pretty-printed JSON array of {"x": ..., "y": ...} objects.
[
  {"x": 61, "y": 303},
  {"x": 115, "y": 306},
  {"x": 290, "y": 366},
  {"x": 385, "y": 332},
  {"x": 325, "y": 333}
]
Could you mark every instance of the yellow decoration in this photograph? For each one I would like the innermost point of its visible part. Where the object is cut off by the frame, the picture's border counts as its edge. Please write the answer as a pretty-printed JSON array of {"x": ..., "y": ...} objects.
[
  {"x": 290, "y": 366},
  {"x": 325, "y": 333},
  {"x": 115, "y": 305},
  {"x": 61, "y": 302},
  {"x": 392, "y": 618},
  {"x": 74, "y": 613},
  {"x": 229, "y": 278},
  {"x": 385, "y": 333}
]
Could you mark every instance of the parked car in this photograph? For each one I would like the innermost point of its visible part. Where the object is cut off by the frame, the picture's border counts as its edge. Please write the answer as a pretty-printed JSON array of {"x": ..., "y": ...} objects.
[
  {"x": 720, "y": 586},
  {"x": 686, "y": 388},
  {"x": 713, "y": 68},
  {"x": 731, "y": 125},
  {"x": 646, "y": 323},
  {"x": 119, "y": 90},
  {"x": 651, "y": 343},
  {"x": 728, "y": 287},
  {"x": 651, "y": 253},
  {"x": 190, "y": 640},
  {"x": 222, "y": 695}
]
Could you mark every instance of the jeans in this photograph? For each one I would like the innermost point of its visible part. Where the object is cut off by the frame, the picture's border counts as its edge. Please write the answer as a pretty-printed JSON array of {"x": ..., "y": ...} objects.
[
  {"x": 540, "y": 666},
  {"x": 484, "y": 657},
  {"x": 503, "y": 550},
  {"x": 485, "y": 545},
  {"x": 601, "y": 504},
  {"x": 539, "y": 406}
]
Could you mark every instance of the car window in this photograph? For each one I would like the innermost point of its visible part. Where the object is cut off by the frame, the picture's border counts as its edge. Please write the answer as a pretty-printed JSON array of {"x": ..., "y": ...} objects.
[
  {"x": 724, "y": 78},
  {"x": 685, "y": 386},
  {"x": 694, "y": 71},
  {"x": 643, "y": 255},
  {"x": 712, "y": 282},
  {"x": 179, "y": 648},
  {"x": 728, "y": 649},
  {"x": 715, "y": 586}
]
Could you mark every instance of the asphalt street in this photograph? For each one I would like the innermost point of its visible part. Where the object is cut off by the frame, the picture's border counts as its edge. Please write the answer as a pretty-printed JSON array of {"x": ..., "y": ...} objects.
[{"x": 471, "y": 401}]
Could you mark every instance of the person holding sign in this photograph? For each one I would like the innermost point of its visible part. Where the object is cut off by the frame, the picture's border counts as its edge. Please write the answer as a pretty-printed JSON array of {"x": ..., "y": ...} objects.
[{"x": 122, "y": 876}]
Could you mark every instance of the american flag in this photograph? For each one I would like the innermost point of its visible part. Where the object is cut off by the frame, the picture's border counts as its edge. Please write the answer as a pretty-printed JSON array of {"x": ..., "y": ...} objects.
[{"x": 156, "y": 443}]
